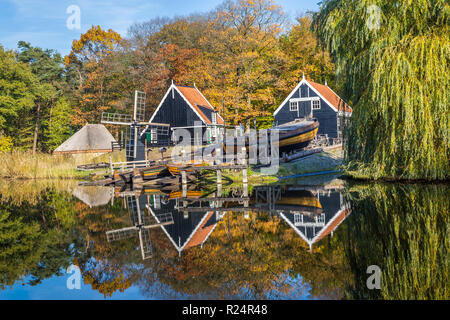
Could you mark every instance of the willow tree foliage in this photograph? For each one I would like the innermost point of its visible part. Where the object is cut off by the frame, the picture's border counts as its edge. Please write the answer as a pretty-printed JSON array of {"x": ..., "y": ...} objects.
[
  {"x": 404, "y": 231},
  {"x": 393, "y": 58}
]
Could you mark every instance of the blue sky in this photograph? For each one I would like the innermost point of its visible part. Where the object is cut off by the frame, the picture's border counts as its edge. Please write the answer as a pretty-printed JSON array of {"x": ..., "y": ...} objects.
[
  {"x": 55, "y": 288},
  {"x": 43, "y": 22}
]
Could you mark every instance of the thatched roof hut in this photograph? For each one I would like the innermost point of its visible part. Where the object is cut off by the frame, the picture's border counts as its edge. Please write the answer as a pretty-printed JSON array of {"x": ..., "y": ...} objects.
[{"x": 92, "y": 138}]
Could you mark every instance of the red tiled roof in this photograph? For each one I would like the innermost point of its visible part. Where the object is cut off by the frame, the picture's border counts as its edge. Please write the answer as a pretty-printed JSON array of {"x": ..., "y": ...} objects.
[
  {"x": 332, "y": 97},
  {"x": 334, "y": 224},
  {"x": 196, "y": 99},
  {"x": 201, "y": 233}
]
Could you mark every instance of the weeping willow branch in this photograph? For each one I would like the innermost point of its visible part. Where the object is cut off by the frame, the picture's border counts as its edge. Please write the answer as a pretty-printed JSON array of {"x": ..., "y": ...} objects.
[
  {"x": 403, "y": 230},
  {"x": 396, "y": 77}
]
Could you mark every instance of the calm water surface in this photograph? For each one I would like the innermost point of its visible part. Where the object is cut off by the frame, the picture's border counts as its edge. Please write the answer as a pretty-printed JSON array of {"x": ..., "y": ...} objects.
[{"x": 303, "y": 240}]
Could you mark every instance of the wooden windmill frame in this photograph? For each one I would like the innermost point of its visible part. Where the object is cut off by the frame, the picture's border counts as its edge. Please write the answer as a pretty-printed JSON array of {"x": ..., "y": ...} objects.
[{"x": 134, "y": 122}]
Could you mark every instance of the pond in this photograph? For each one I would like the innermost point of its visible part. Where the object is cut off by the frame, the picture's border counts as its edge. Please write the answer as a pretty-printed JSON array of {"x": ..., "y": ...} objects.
[{"x": 326, "y": 239}]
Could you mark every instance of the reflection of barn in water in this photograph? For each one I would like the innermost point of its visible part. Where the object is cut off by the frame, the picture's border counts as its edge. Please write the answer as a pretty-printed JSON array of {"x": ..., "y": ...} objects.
[
  {"x": 188, "y": 220},
  {"x": 189, "y": 229},
  {"x": 312, "y": 214}
]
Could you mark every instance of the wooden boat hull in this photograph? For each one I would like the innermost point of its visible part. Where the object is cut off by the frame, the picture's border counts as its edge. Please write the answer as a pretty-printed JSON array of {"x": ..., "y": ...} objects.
[
  {"x": 298, "y": 138},
  {"x": 291, "y": 136},
  {"x": 154, "y": 172}
]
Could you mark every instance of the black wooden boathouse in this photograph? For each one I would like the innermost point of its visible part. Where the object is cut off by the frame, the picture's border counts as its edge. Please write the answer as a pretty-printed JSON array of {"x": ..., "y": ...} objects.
[{"x": 313, "y": 100}]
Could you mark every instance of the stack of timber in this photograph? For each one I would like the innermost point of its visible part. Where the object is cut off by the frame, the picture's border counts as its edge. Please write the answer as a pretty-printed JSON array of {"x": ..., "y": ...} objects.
[
  {"x": 92, "y": 166},
  {"x": 156, "y": 176}
]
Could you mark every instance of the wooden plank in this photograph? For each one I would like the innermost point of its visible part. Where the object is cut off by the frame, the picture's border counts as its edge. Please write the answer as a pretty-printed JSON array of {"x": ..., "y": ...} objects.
[
  {"x": 156, "y": 225},
  {"x": 200, "y": 210},
  {"x": 220, "y": 167},
  {"x": 216, "y": 199}
]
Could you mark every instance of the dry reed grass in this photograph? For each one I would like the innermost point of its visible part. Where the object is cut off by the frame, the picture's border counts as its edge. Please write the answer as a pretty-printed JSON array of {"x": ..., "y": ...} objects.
[{"x": 25, "y": 165}]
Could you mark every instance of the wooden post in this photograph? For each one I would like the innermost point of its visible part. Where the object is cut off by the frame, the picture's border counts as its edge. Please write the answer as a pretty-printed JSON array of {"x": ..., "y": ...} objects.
[
  {"x": 184, "y": 193},
  {"x": 183, "y": 177},
  {"x": 183, "y": 156},
  {"x": 219, "y": 177},
  {"x": 244, "y": 176},
  {"x": 217, "y": 159},
  {"x": 111, "y": 165},
  {"x": 246, "y": 203},
  {"x": 145, "y": 150},
  {"x": 244, "y": 162}
]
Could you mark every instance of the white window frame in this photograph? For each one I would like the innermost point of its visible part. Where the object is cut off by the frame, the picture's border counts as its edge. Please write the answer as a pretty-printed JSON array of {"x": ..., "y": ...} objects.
[
  {"x": 312, "y": 105},
  {"x": 154, "y": 135},
  {"x": 298, "y": 218},
  {"x": 214, "y": 118},
  {"x": 291, "y": 104},
  {"x": 214, "y": 132}
]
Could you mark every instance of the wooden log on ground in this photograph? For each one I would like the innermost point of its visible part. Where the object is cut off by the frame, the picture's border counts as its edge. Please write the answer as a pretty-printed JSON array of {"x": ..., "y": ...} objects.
[{"x": 301, "y": 154}]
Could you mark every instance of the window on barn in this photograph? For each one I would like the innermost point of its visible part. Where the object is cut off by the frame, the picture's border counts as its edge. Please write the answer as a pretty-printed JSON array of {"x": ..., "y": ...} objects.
[
  {"x": 298, "y": 219},
  {"x": 293, "y": 106},
  {"x": 214, "y": 118},
  {"x": 316, "y": 104}
]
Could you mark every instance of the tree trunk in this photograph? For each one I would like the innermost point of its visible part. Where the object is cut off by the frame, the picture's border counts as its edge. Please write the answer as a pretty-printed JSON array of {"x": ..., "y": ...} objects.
[{"x": 36, "y": 128}]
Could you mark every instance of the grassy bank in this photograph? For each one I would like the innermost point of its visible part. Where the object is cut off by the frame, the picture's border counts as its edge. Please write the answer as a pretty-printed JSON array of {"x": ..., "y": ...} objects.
[
  {"x": 324, "y": 161},
  {"x": 363, "y": 172},
  {"x": 25, "y": 165}
]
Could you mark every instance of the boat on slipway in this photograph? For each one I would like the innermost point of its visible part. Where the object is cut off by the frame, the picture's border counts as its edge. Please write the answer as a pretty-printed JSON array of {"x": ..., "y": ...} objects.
[{"x": 295, "y": 135}]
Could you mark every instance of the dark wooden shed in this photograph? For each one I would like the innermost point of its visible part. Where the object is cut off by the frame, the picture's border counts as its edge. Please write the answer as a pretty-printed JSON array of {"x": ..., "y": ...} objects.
[{"x": 313, "y": 100}]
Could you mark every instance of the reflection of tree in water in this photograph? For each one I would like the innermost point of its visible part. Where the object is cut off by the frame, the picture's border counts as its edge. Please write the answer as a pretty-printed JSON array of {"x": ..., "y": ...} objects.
[
  {"x": 33, "y": 240},
  {"x": 243, "y": 258},
  {"x": 403, "y": 230},
  {"x": 107, "y": 267},
  {"x": 250, "y": 259}
]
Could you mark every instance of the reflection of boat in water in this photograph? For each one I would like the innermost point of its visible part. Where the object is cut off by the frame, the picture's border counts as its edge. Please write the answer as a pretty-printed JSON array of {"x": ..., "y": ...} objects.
[
  {"x": 189, "y": 194},
  {"x": 291, "y": 136},
  {"x": 176, "y": 169},
  {"x": 154, "y": 172},
  {"x": 300, "y": 201}
]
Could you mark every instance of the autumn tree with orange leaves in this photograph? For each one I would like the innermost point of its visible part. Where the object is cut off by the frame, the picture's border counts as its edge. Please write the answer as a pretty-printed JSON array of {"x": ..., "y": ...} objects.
[
  {"x": 245, "y": 57},
  {"x": 100, "y": 77}
]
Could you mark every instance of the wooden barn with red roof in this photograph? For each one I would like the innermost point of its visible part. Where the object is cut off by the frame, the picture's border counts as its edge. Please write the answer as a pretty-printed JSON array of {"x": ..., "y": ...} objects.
[
  {"x": 313, "y": 100},
  {"x": 187, "y": 108}
]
